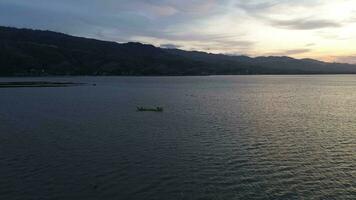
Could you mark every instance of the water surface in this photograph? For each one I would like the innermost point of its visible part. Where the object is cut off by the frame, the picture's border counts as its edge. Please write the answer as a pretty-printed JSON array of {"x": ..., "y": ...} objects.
[{"x": 219, "y": 137}]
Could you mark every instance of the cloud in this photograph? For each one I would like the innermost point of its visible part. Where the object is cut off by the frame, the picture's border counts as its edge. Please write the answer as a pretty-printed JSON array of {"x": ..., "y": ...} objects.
[
  {"x": 310, "y": 44},
  {"x": 215, "y": 43},
  {"x": 125, "y": 18},
  {"x": 295, "y": 51},
  {"x": 170, "y": 46},
  {"x": 345, "y": 59},
  {"x": 226, "y": 46},
  {"x": 293, "y": 15},
  {"x": 290, "y": 52},
  {"x": 304, "y": 24},
  {"x": 255, "y": 8},
  {"x": 335, "y": 36},
  {"x": 75, "y": 19},
  {"x": 159, "y": 11}
]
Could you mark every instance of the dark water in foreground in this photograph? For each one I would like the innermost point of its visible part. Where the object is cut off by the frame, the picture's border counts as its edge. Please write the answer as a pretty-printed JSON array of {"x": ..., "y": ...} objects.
[{"x": 226, "y": 137}]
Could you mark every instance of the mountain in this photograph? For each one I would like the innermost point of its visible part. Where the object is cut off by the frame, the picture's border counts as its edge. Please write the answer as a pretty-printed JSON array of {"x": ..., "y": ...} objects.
[{"x": 26, "y": 52}]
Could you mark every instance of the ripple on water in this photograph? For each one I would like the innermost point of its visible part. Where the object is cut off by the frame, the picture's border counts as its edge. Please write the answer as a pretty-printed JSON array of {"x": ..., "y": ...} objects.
[{"x": 256, "y": 137}]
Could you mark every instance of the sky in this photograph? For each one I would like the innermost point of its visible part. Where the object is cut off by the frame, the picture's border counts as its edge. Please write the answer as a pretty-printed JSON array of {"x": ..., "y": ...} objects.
[{"x": 319, "y": 29}]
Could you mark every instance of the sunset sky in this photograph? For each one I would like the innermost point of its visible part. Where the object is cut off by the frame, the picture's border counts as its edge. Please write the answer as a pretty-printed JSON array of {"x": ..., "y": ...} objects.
[{"x": 320, "y": 29}]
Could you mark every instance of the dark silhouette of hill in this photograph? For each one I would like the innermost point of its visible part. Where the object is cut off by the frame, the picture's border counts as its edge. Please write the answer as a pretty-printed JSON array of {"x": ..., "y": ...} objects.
[{"x": 33, "y": 52}]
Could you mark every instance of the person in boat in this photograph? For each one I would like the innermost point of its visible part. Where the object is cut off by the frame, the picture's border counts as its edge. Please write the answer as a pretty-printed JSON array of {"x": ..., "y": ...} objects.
[{"x": 157, "y": 109}]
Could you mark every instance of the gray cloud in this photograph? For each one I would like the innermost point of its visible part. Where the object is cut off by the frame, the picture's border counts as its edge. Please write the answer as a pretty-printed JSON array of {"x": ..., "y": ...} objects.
[
  {"x": 332, "y": 36},
  {"x": 212, "y": 43},
  {"x": 255, "y": 8},
  {"x": 208, "y": 42},
  {"x": 296, "y": 51},
  {"x": 264, "y": 11},
  {"x": 290, "y": 52},
  {"x": 265, "y": 8},
  {"x": 345, "y": 59},
  {"x": 310, "y": 44},
  {"x": 78, "y": 20},
  {"x": 170, "y": 46},
  {"x": 123, "y": 18},
  {"x": 304, "y": 24}
]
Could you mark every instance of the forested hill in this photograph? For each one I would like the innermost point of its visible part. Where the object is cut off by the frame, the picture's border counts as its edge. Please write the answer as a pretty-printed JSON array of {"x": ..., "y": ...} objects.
[{"x": 25, "y": 52}]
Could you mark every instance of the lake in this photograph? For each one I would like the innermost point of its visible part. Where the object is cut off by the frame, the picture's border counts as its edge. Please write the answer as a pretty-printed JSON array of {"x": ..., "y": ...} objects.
[{"x": 219, "y": 137}]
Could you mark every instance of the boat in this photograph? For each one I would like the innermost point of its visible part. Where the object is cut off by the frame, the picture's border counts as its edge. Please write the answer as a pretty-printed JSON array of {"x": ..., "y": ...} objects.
[{"x": 156, "y": 109}]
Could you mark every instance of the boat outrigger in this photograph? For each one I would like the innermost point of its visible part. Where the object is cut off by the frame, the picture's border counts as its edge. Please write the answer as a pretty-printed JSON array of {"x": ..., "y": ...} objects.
[{"x": 143, "y": 109}]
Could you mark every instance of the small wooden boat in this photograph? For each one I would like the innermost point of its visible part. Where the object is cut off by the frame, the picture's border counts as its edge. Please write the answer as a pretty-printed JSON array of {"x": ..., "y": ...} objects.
[{"x": 156, "y": 109}]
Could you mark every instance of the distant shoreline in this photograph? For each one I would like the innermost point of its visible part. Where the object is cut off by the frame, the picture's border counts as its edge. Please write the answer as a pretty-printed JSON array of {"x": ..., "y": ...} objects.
[
  {"x": 138, "y": 76},
  {"x": 36, "y": 84}
]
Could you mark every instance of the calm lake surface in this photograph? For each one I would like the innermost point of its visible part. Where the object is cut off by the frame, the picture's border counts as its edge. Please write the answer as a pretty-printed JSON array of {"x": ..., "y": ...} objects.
[{"x": 219, "y": 137}]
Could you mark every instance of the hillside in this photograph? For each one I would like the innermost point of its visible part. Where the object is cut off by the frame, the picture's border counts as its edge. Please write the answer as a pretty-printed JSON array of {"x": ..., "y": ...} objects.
[{"x": 25, "y": 52}]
